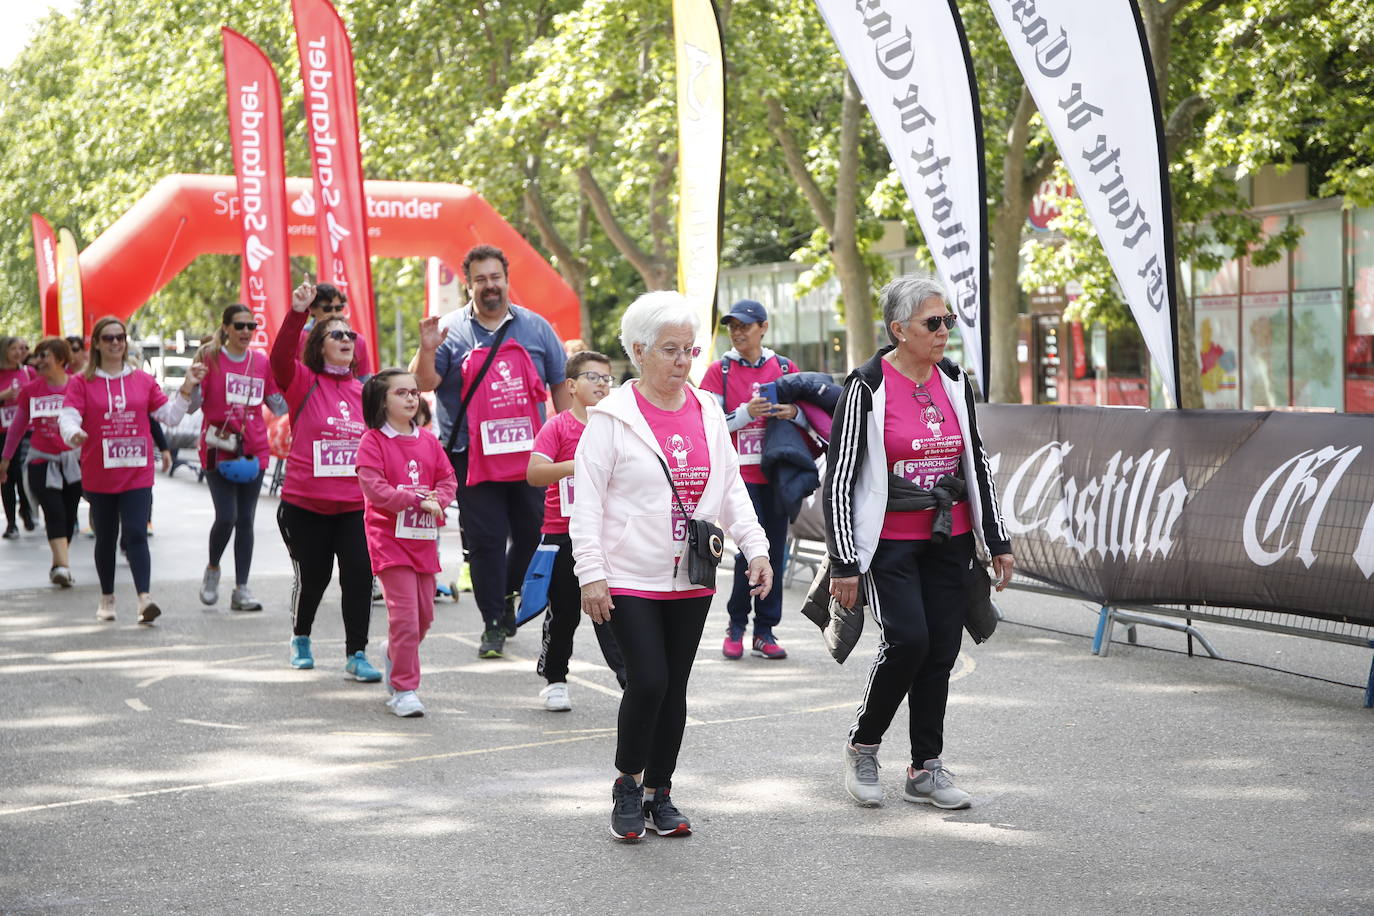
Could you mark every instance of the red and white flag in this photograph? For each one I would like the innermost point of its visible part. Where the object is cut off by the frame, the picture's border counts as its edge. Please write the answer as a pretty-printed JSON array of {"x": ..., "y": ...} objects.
[
  {"x": 255, "y": 127},
  {"x": 45, "y": 258},
  {"x": 331, "y": 115}
]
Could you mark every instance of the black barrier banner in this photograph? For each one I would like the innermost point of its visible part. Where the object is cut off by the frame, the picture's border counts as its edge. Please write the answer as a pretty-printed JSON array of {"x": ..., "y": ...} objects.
[{"x": 1269, "y": 511}]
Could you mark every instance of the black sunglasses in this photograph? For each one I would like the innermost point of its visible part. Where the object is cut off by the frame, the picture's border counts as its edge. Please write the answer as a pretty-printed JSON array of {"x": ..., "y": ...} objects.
[
  {"x": 329, "y": 309},
  {"x": 934, "y": 321},
  {"x": 245, "y": 325},
  {"x": 927, "y": 403},
  {"x": 342, "y": 335},
  {"x": 113, "y": 338}
]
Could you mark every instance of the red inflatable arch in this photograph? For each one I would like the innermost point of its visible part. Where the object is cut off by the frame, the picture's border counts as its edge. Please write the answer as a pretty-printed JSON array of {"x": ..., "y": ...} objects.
[{"x": 185, "y": 216}]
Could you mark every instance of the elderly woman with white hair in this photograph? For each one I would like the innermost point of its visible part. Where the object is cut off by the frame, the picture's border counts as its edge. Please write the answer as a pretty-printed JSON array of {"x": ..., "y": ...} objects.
[
  {"x": 909, "y": 499},
  {"x": 654, "y": 470}
]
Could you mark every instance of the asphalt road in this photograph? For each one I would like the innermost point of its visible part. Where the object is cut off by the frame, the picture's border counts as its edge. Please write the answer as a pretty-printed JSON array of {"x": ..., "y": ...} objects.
[{"x": 186, "y": 768}]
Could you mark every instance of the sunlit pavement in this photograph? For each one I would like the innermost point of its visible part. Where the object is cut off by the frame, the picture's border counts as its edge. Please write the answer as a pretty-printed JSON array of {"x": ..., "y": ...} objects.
[{"x": 187, "y": 768}]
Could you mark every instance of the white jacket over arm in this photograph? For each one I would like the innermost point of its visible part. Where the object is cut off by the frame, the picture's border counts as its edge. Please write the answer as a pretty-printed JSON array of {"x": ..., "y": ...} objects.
[{"x": 622, "y": 518}]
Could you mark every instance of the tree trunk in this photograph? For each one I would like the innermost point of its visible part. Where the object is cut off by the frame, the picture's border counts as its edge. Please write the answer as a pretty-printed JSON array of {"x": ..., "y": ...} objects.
[
  {"x": 1189, "y": 359},
  {"x": 655, "y": 272},
  {"x": 855, "y": 287},
  {"x": 1004, "y": 285}
]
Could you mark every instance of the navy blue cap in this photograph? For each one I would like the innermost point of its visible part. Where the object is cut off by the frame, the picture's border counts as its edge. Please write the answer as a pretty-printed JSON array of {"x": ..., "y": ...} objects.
[{"x": 747, "y": 311}]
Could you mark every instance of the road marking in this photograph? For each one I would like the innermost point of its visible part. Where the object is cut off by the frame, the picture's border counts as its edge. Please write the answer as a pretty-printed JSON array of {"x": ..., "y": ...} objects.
[
  {"x": 136, "y": 704},
  {"x": 223, "y": 661},
  {"x": 211, "y": 724}
]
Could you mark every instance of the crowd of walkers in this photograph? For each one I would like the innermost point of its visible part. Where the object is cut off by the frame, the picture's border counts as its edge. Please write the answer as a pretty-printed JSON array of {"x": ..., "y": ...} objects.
[{"x": 573, "y": 496}]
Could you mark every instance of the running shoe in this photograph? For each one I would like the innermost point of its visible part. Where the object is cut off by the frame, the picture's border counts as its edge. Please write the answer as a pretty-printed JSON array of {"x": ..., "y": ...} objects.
[
  {"x": 406, "y": 705},
  {"x": 209, "y": 586},
  {"x": 362, "y": 669},
  {"x": 664, "y": 816},
  {"x": 493, "y": 643},
  {"x": 60, "y": 576},
  {"x": 935, "y": 786},
  {"x": 105, "y": 610},
  {"x": 556, "y": 697},
  {"x": 29, "y": 523},
  {"x": 508, "y": 618},
  {"x": 241, "y": 599},
  {"x": 300, "y": 652},
  {"x": 733, "y": 647},
  {"x": 767, "y": 647},
  {"x": 861, "y": 774},
  {"x": 148, "y": 611},
  {"x": 627, "y": 809},
  {"x": 12, "y": 532}
]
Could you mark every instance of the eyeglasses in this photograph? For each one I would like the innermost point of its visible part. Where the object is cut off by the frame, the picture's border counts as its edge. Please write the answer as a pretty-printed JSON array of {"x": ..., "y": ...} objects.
[
  {"x": 245, "y": 325},
  {"x": 672, "y": 353},
  {"x": 406, "y": 393},
  {"x": 113, "y": 338},
  {"x": 596, "y": 378},
  {"x": 342, "y": 335},
  {"x": 934, "y": 321},
  {"x": 330, "y": 308},
  {"x": 929, "y": 409}
]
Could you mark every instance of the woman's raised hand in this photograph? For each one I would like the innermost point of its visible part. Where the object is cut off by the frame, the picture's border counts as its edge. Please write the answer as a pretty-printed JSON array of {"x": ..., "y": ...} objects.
[{"x": 303, "y": 295}]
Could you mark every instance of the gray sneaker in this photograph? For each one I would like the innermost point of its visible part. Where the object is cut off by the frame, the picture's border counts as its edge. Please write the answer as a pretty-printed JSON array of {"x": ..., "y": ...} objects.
[
  {"x": 861, "y": 774},
  {"x": 935, "y": 786},
  {"x": 242, "y": 600},
  {"x": 209, "y": 586},
  {"x": 493, "y": 644}
]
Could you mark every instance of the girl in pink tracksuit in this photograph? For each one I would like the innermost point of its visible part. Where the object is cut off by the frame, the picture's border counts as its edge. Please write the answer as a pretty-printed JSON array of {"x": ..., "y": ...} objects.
[{"x": 406, "y": 481}]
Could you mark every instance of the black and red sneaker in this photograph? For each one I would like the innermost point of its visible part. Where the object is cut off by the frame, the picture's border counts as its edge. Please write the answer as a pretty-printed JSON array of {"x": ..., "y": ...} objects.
[
  {"x": 627, "y": 809},
  {"x": 663, "y": 814}
]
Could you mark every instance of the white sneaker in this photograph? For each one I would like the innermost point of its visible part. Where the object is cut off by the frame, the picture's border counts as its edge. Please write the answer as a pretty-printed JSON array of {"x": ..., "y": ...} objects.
[
  {"x": 148, "y": 611},
  {"x": 406, "y": 705},
  {"x": 209, "y": 586},
  {"x": 556, "y": 697},
  {"x": 106, "y": 609},
  {"x": 60, "y": 576}
]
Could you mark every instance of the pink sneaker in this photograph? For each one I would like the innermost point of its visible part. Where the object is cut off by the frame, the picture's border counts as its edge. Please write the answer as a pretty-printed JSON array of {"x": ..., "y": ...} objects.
[
  {"x": 767, "y": 647},
  {"x": 734, "y": 646}
]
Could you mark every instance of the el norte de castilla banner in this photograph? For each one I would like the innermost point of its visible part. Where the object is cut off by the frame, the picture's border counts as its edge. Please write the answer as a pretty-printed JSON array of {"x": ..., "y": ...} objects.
[
  {"x": 911, "y": 63},
  {"x": 1249, "y": 509}
]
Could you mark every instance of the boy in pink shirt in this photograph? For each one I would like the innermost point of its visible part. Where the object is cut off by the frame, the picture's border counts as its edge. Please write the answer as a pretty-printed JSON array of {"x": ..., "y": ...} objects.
[{"x": 551, "y": 465}]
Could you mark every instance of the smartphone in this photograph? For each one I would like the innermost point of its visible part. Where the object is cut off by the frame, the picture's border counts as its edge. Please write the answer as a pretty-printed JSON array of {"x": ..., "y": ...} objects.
[{"x": 769, "y": 391}]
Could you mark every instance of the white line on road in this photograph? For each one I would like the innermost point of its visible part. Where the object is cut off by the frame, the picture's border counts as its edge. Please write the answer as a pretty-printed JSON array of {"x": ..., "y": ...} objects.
[
  {"x": 136, "y": 704},
  {"x": 211, "y": 724}
]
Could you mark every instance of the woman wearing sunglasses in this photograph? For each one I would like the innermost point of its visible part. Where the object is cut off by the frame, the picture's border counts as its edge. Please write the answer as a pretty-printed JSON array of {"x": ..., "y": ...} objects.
[
  {"x": 106, "y": 414},
  {"x": 321, "y": 510},
  {"x": 905, "y": 427},
  {"x": 236, "y": 382}
]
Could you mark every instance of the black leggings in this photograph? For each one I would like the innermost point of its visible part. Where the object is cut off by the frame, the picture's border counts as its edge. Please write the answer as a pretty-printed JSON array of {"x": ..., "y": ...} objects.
[
  {"x": 236, "y": 505},
  {"x": 314, "y": 540},
  {"x": 59, "y": 504},
  {"x": 122, "y": 517},
  {"x": 491, "y": 515},
  {"x": 916, "y": 590},
  {"x": 658, "y": 638},
  {"x": 563, "y": 616},
  {"x": 12, "y": 487}
]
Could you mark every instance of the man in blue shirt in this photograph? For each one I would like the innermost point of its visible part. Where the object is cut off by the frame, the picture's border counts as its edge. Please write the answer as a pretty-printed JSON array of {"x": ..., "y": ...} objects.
[{"x": 491, "y": 513}]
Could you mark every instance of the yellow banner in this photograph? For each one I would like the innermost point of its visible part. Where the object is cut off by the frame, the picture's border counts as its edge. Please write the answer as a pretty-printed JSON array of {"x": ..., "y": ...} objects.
[
  {"x": 701, "y": 160},
  {"x": 69, "y": 312}
]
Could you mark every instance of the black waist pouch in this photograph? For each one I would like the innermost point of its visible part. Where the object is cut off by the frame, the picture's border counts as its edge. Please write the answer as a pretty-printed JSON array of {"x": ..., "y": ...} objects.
[{"x": 705, "y": 547}]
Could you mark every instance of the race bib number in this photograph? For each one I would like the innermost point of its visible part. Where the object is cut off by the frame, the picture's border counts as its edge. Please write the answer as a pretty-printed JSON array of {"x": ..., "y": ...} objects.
[
  {"x": 751, "y": 445},
  {"x": 506, "y": 435},
  {"x": 7, "y": 415},
  {"x": 243, "y": 389},
  {"x": 336, "y": 457},
  {"x": 126, "y": 452},
  {"x": 49, "y": 405},
  {"x": 415, "y": 524},
  {"x": 565, "y": 497}
]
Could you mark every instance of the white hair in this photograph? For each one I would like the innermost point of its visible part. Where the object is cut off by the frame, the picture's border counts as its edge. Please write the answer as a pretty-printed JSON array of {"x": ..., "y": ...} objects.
[
  {"x": 903, "y": 296},
  {"x": 648, "y": 315}
]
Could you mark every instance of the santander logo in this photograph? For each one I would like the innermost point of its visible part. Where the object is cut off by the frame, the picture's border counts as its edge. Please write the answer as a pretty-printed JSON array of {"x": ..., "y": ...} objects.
[
  {"x": 256, "y": 252},
  {"x": 304, "y": 205}
]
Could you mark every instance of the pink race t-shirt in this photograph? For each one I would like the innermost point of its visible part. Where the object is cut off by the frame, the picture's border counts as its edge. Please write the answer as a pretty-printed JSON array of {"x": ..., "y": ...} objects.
[
  {"x": 12, "y": 379},
  {"x": 503, "y": 416},
  {"x": 681, "y": 435},
  {"x": 408, "y": 537},
  {"x": 327, "y": 427},
  {"x": 39, "y": 404},
  {"x": 557, "y": 441},
  {"x": 118, "y": 453},
  {"x": 743, "y": 383},
  {"x": 923, "y": 443},
  {"x": 231, "y": 395}
]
